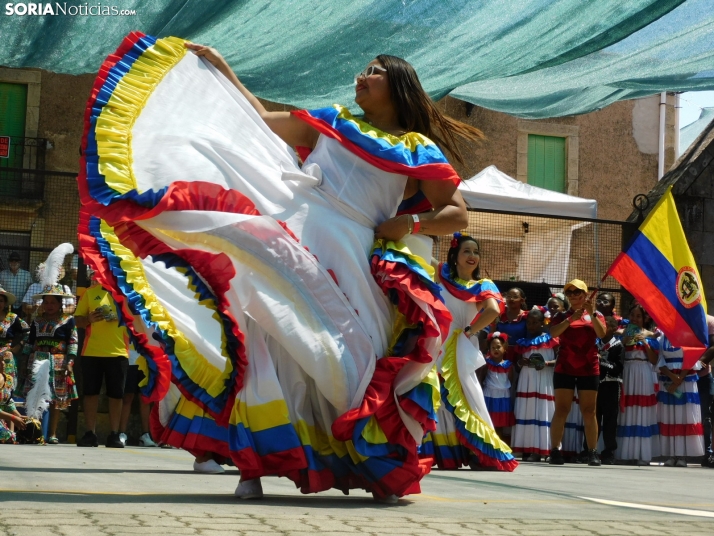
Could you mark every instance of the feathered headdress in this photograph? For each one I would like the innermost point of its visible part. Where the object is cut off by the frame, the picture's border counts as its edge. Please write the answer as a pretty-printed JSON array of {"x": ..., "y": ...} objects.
[{"x": 50, "y": 273}]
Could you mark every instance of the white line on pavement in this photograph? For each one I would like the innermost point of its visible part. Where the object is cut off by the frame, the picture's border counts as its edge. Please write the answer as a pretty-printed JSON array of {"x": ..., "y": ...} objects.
[{"x": 681, "y": 511}]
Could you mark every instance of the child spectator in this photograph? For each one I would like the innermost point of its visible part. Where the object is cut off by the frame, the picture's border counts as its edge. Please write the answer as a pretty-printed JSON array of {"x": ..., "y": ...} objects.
[
  {"x": 610, "y": 351},
  {"x": 637, "y": 429},
  {"x": 558, "y": 303},
  {"x": 535, "y": 399},
  {"x": 605, "y": 304},
  {"x": 513, "y": 320},
  {"x": 9, "y": 416},
  {"x": 497, "y": 387},
  {"x": 680, "y": 418}
]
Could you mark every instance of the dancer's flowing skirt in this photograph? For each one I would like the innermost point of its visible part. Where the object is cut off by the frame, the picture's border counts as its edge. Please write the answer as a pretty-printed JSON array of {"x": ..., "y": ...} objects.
[
  {"x": 298, "y": 347},
  {"x": 464, "y": 431}
]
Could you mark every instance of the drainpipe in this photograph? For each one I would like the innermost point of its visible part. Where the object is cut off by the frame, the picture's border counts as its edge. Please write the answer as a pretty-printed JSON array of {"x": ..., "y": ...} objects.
[
  {"x": 662, "y": 113},
  {"x": 676, "y": 126}
]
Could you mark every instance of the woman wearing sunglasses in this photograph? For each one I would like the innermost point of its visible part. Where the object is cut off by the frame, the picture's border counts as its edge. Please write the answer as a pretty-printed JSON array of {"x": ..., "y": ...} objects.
[
  {"x": 577, "y": 366},
  {"x": 302, "y": 346}
]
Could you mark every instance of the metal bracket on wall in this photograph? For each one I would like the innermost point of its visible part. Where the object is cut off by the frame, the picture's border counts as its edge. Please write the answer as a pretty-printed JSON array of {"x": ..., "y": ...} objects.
[{"x": 641, "y": 203}]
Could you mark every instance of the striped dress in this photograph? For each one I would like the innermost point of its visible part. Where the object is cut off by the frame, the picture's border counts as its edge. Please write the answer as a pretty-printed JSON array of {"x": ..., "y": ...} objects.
[
  {"x": 680, "y": 418},
  {"x": 535, "y": 398},
  {"x": 637, "y": 430},
  {"x": 497, "y": 391},
  {"x": 574, "y": 431}
]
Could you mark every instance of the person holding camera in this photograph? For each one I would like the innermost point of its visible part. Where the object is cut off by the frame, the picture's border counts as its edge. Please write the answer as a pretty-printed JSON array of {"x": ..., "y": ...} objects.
[{"x": 105, "y": 358}]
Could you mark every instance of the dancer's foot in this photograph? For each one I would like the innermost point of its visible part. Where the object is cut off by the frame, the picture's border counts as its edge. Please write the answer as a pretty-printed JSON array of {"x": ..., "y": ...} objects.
[
  {"x": 388, "y": 499},
  {"x": 209, "y": 467},
  {"x": 249, "y": 489}
]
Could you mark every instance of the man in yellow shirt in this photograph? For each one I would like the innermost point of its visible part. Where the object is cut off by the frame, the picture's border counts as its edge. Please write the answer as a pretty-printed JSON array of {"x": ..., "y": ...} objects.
[{"x": 104, "y": 358}]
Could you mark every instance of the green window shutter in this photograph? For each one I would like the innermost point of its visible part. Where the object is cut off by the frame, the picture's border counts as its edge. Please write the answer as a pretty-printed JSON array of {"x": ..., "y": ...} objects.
[
  {"x": 13, "y": 107},
  {"x": 546, "y": 162}
]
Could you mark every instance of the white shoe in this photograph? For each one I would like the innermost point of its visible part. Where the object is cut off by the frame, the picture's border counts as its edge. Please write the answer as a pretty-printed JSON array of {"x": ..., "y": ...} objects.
[
  {"x": 249, "y": 489},
  {"x": 389, "y": 499},
  {"x": 123, "y": 438},
  {"x": 146, "y": 441},
  {"x": 670, "y": 462},
  {"x": 209, "y": 467},
  {"x": 681, "y": 462}
]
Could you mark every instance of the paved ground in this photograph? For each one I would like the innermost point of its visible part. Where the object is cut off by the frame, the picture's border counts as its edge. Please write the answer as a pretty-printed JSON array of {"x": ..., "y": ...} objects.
[{"x": 135, "y": 491}]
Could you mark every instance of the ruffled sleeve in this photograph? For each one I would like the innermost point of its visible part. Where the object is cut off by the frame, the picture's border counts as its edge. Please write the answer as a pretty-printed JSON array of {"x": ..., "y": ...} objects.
[{"x": 412, "y": 154}]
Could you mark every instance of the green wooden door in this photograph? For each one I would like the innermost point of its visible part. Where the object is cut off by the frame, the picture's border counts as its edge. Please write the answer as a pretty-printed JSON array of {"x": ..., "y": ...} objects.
[
  {"x": 546, "y": 162},
  {"x": 13, "y": 107}
]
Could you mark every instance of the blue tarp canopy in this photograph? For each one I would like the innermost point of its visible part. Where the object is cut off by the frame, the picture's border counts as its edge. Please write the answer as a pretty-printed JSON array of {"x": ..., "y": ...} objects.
[{"x": 529, "y": 58}]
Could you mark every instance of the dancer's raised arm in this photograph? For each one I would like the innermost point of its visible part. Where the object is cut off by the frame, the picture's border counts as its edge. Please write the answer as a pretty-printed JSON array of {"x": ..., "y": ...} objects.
[{"x": 291, "y": 130}]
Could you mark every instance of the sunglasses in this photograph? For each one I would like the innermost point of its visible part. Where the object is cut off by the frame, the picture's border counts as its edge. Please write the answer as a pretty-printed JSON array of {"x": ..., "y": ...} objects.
[
  {"x": 369, "y": 71},
  {"x": 574, "y": 292}
]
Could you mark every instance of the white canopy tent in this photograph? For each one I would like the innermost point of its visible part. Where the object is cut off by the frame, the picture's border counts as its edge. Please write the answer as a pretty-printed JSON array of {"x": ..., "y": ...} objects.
[{"x": 536, "y": 249}]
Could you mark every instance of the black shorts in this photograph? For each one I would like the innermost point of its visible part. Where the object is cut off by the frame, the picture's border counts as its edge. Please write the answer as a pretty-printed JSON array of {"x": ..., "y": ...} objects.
[
  {"x": 583, "y": 383},
  {"x": 111, "y": 370},
  {"x": 133, "y": 378}
]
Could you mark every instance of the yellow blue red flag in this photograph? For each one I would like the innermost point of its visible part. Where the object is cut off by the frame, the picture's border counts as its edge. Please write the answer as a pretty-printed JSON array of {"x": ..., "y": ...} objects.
[{"x": 658, "y": 269}]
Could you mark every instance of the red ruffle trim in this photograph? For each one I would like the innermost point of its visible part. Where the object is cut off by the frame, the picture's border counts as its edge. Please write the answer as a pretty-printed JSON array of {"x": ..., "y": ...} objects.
[
  {"x": 379, "y": 400},
  {"x": 425, "y": 172}
]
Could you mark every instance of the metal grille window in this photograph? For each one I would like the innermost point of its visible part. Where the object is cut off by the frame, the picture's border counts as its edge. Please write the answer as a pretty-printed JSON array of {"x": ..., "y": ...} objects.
[{"x": 546, "y": 162}]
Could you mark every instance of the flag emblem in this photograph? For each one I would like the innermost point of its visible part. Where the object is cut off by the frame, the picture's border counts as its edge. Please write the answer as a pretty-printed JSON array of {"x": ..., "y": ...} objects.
[{"x": 689, "y": 290}]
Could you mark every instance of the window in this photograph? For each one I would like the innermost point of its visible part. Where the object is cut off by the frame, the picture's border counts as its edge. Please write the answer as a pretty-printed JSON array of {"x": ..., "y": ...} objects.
[
  {"x": 13, "y": 103},
  {"x": 547, "y": 162}
]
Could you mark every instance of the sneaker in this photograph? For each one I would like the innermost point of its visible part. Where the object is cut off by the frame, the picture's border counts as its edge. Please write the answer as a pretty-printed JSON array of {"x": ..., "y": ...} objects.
[
  {"x": 146, "y": 441},
  {"x": 249, "y": 489},
  {"x": 681, "y": 462},
  {"x": 593, "y": 459},
  {"x": 642, "y": 463},
  {"x": 708, "y": 461},
  {"x": 209, "y": 467},
  {"x": 113, "y": 441},
  {"x": 670, "y": 462},
  {"x": 556, "y": 457},
  {"x": 123, "y": 438},
  {"x": 89, "y": 439},
  {"x": 533, "y": 458}
]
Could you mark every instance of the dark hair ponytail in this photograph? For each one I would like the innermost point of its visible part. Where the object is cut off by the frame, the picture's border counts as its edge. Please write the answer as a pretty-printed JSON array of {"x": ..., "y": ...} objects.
[
  {"x": 453, "y": 253},
  {"x": 416, "y": 112}
]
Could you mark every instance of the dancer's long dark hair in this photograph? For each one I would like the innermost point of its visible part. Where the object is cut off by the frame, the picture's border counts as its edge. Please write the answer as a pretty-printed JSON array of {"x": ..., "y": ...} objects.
[
  {"x": 416, "y": 112},
  {"x": 453, "y": 253}
]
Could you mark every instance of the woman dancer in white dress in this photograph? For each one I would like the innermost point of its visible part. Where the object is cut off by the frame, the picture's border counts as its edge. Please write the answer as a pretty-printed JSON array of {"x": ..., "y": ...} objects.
[
  {"x": 464, "y": 434},
  {"x": 271, "y": 317}
]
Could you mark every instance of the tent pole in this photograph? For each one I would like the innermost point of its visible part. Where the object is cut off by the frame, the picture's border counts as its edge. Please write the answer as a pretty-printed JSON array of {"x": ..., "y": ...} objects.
[
  {"x": 677, "y": 106},
  {"x": 662, "y": 112}
]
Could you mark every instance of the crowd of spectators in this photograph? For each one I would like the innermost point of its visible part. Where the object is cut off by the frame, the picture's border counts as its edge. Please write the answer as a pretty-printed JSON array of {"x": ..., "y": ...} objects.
[
  {"x": 574, "y": 381},
  {"x": 39, "y": 323}
]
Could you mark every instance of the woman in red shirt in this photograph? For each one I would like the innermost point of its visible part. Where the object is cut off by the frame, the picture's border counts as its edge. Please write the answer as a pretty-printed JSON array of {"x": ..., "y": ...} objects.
[{"x": 577, "y": 366}]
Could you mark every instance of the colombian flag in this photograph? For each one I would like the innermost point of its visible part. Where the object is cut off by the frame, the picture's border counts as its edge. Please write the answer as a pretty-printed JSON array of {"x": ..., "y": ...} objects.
[{"x": 658, "y": 269}]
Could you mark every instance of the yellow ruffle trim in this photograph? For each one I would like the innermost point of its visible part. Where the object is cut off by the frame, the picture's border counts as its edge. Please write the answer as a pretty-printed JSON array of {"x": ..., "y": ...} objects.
[
  {"x": 117, "y": 118},
  {"x": 201, "y": 371},
  {"x": 472, "y": 422},
  {"x": 404, "y": 250},
  {"x": 411, "y": 140}
]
